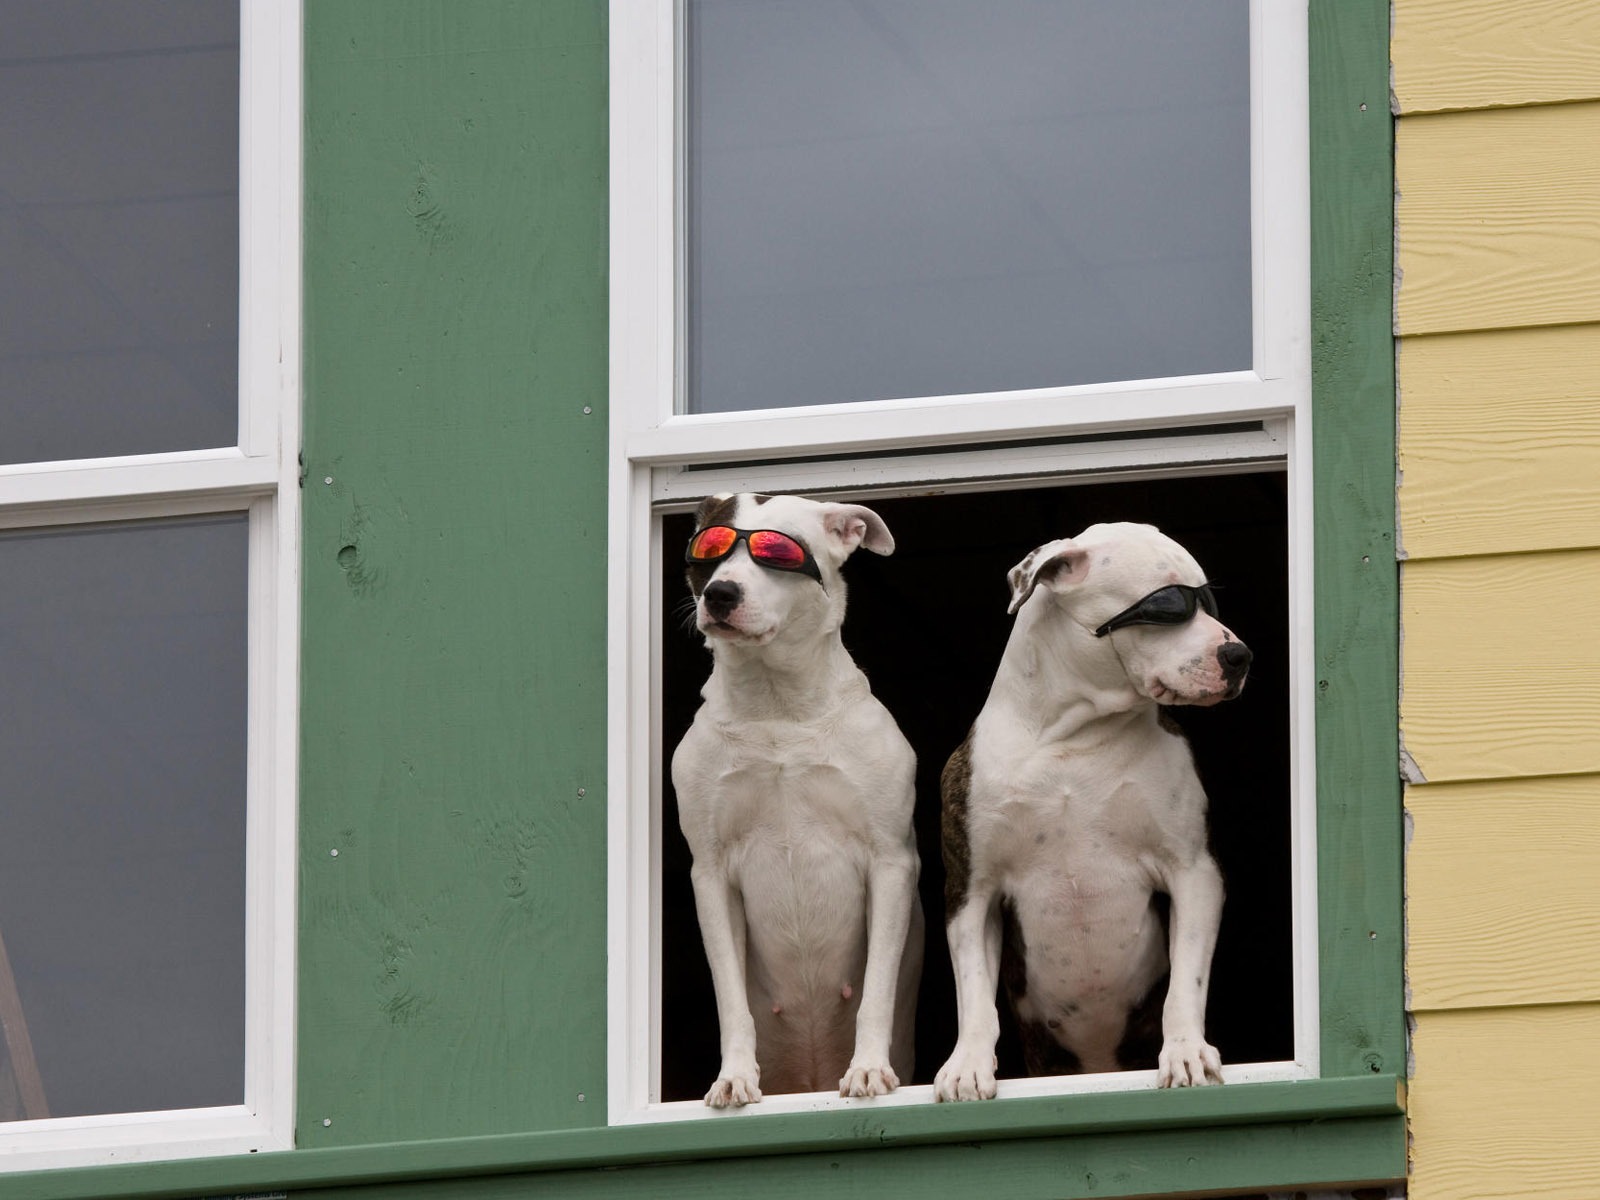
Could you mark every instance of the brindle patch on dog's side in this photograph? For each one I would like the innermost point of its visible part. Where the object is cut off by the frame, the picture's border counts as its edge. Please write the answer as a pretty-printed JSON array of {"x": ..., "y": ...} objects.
[{"x": 955, "y": 782}]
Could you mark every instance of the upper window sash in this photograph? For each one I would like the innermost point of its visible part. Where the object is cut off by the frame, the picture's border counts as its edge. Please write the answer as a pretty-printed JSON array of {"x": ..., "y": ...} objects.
[
  {"x": 88, "y": 489},
  {"x": 647, "y": 299}
]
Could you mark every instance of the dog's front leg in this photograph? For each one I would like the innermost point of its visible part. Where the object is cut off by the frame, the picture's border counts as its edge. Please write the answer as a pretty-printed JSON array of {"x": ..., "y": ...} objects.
[
  {"x": 974, "y": 935},
  {"x": 1187, "y": 1059},
  {"x": 722, "y": 929},
  {"x": 891, "y": 891}
]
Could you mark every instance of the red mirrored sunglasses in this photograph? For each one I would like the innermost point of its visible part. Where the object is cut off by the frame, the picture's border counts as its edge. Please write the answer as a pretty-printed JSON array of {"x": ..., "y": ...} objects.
[{"x": 768, "y": 548}]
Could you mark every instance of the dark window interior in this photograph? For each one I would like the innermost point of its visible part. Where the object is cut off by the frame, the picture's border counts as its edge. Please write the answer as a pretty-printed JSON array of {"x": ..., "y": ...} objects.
[{"x": 928, "y": 625}]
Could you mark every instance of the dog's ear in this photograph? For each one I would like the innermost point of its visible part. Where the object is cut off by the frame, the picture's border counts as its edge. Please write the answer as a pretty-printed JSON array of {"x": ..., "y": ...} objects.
[
  {"x": 851, "y": 526},
  {"x": 1055, "y": 564}
]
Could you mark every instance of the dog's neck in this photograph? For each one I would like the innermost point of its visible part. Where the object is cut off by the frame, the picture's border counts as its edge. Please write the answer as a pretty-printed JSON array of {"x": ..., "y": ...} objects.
[
  {"x": 789, "y": 679},
  {"x": 1060, "y": 683}
]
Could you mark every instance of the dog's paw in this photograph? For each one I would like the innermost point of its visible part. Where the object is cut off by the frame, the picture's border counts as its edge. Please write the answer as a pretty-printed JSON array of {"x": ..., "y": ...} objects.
[
  {"x": 1188, "y": 1062},
  {"x": 733, "y": 1092},
  {"x": 966, "y": 1076},
  {"x": 877, "y": 1080}
]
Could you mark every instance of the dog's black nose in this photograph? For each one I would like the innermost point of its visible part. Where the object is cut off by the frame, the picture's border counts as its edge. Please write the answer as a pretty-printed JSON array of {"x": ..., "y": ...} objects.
[
  {"x": 722, "y": 598},
  {"x": 1235, "y": 659}
]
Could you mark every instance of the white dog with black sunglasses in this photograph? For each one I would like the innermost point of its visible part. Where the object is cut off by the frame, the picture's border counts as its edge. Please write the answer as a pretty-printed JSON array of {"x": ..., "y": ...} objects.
[
  {"x": 795, "y": 792},
  {"x": 1073, "y": 803}
]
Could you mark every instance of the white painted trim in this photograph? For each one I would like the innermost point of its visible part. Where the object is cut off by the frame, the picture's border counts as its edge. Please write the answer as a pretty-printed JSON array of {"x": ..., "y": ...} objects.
[
  {"x": 922, "y": 1093},
  {"x": 38, "y": 492},
  {"x": 952, "y": 420},
  {"x": 652, "y": 445},
  {"x": 260, "y": 477},
  {"x": 1020, "y": 465},
  {"x": 1280, "y": 188},
  {"x": 132, "y": 1137},
  {"x": 653, "y": 759},
  {"x": 261, "y": 258},
  {"x": 1283, "y": 74},
  {"x": 635, "y": 364},
  {"x": 272, "y": 31}
]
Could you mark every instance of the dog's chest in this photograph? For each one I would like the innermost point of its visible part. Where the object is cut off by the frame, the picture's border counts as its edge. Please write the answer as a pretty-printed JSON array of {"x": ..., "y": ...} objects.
[
  {"x": 1080, "y": 833},
  {"x": 1121, "y": 814},
  {"x": 787, "y": 800},
  {"x": 789, "y": 827}
]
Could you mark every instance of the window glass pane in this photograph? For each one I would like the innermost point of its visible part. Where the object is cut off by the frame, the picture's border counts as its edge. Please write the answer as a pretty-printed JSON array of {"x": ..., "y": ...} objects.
[
  {"x": 119, "y": 227},
  {"x": 928, "y": 197},
  {"x": 122, "y": 814}
]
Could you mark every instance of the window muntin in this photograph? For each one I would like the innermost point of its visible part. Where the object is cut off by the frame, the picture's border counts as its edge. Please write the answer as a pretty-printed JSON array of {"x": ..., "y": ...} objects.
[
  {"x": 246, "y": 480},
  {"x": 908, "y": 199},
  {"x": 663, "y": 458}
]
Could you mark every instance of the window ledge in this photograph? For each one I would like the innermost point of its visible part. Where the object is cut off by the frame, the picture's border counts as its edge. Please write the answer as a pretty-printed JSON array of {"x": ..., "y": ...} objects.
[{"x": 741, "y": 1136}]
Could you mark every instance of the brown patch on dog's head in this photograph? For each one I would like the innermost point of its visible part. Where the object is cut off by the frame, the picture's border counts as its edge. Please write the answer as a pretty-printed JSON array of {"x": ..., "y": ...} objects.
[
  {"x": 713, "y": 510},
  {"x": 716, "y": 510}
]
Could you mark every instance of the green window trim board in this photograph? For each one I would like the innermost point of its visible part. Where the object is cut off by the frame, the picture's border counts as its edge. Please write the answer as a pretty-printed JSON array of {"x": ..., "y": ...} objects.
[
  {"x": 1203, "y": 1128},
  {"x": 452, "y": 957}
]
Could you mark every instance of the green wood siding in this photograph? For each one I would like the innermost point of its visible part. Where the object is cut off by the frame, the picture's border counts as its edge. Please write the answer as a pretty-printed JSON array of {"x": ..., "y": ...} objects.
[
  {"x": 452, "y": 986},
  {"x": 1357, "y": 621},
  {"x": 452, "y": 956}
]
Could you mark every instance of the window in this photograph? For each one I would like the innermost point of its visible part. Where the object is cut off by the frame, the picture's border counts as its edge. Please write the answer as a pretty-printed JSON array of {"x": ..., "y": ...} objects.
[
  {"x": 148, "y": 587},
  {"x": 1020, "y": 267}
]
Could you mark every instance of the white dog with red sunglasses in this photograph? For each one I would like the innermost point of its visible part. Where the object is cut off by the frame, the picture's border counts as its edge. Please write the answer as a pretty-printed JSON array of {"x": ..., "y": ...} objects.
[
  {"x": 795, "y": 791},
  {"x": 1072, "y": 803}
]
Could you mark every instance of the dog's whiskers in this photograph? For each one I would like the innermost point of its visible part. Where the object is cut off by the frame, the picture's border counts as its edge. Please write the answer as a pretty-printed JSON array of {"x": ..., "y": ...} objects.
[{"x": 683, "y": 612}]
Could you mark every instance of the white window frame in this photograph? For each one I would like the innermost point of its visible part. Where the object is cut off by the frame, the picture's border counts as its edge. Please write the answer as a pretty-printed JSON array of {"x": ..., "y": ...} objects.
[
  {"x": 260, "y": 478},
  {"x": 652, "y": 444}
]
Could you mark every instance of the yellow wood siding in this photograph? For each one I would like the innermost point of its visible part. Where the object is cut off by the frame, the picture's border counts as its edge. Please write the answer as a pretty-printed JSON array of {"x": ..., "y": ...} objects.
[
  {"x": 1504, "y": 1104},
  {"x": 1500, "y": 441},
  {"x": 1504, "y": 884},
  {"x": 1501, "y": 660},
  {"x": 1479, "y": 53},
  {"x": 1498, "y": 307},
  {"x": 1499, "y": 218}
]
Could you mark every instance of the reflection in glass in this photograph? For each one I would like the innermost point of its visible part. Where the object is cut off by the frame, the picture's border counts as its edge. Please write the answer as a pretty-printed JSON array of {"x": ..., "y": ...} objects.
[
  {"x": 122, "y": 813},
  {"x": 931, "y": 197},
  {"x": 119, "y": 227}
]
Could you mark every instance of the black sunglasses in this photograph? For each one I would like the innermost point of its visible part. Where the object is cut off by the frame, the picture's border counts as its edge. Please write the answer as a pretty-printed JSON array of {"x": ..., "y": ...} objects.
[
  {"x": 768, "y": 548},
  {"x": 1174, "y": 604}
]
